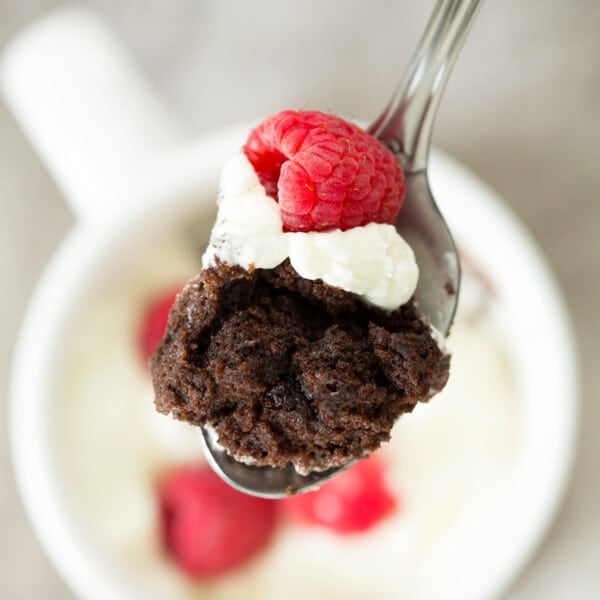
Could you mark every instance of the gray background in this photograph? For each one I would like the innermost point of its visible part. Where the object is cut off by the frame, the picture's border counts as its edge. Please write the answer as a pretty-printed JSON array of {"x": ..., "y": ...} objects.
[{"x": 522, "y": 110}]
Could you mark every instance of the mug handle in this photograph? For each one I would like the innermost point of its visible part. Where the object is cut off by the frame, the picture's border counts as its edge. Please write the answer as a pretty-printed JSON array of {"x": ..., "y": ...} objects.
[{"x": 92, "y": 117}]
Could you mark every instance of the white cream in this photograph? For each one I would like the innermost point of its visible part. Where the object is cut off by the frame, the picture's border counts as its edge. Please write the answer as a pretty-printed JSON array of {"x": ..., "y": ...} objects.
[
  {"x": 449, "y": 464},
  {"x": 372, "y": 261},
  {"x": 248, "y": 230}
]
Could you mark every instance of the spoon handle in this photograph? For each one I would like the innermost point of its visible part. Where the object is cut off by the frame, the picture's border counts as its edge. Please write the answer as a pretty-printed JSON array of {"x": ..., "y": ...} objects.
[{"x": 407, "y": 122}]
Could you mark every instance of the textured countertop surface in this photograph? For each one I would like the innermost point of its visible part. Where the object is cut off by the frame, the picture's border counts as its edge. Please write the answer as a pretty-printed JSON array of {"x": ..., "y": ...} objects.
[{"x": 522, "y": 110}]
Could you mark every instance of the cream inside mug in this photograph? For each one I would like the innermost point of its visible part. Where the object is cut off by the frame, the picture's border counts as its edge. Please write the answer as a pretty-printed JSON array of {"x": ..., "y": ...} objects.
[{"x": 154, "y": 186}]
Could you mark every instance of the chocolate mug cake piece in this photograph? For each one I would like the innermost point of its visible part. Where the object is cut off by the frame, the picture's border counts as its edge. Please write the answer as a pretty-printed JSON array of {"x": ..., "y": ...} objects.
[{"x": 300, "y": 341}]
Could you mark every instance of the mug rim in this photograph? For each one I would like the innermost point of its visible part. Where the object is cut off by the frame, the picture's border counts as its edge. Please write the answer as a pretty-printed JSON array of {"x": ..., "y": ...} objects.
[{"x": 35, "y": 463}]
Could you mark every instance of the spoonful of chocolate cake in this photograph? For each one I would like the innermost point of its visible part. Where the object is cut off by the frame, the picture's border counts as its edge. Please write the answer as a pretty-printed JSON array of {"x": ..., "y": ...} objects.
[{"x": 329, "y": 283}]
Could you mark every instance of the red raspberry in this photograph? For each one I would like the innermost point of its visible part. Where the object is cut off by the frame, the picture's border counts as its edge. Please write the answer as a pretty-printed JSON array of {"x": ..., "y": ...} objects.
[
  {"x": 354, "y": 501},
  {"x": 325, "y": 173},
  {"x": 154, "y": 322},
  {"x": 207, "y": 526}
]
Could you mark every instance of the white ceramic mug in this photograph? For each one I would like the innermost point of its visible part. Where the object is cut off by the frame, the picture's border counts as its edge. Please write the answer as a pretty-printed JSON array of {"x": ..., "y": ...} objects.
[{"x": 120, "y": 158}]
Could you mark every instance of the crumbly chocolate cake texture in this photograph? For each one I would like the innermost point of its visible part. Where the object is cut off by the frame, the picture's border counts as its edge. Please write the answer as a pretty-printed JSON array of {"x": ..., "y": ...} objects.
[{"x": 286, "y": 369}]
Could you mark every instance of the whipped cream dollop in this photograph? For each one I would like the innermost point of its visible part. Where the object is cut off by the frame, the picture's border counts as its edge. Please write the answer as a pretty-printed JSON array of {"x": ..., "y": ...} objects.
[{"x": 372, "y": 261}]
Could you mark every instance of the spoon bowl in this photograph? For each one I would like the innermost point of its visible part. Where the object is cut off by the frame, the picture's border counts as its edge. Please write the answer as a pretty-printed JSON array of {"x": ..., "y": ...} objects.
[
  {"x": 264, "y": 482},
  {"x": 421, "y": 224},
  {"x": 405, "y": 126}
]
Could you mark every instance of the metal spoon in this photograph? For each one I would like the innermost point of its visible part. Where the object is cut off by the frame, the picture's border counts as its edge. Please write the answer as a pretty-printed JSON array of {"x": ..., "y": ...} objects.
[{"x": 405, "y": 126}]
